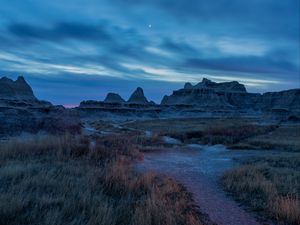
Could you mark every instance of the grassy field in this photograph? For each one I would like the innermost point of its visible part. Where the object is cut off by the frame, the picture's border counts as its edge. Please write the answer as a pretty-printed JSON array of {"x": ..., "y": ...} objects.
[
  {"x": 235, "y": 133},
  {"x": 75, "y": 179},
  {"x": 66, "y": 180},
  {"x": 286, "y": 137},
  {"x": 270, "y": 186},
  {"x": 182, "y": 125}
]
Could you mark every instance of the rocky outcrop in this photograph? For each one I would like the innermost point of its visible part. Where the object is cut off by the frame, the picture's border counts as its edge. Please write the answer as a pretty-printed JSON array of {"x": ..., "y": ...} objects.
[
  {"x": 21, "y": 111},
  {"x": 16, "y": 90},
  {"x": 232, "y": 86},
  {"x": 138, "y": 97},
  {"x": 18, "y": 93},
  {"x": 114, "y": 98},
  {"x": 209, "y": 95},
  {"x": 54, "y": 120},
  {"x": 284, "y": 100},
  {"x": 205, "y": 99}
]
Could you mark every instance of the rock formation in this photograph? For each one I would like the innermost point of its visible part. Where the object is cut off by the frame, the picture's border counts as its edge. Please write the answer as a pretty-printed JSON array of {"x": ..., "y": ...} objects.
[
  {"x": 232, "y": 86},
  {"x": 114, "y": 98},
  {"x": 16, "y": 90},
  {"x": 138, "y": 97},
  {"x": 288, "y": 100},
  {"x": 21, "y": 111},
  {"x": 207, "y": 93},
  {"x": 206, "y": 98},
  {"x": 233, "y": 96}
]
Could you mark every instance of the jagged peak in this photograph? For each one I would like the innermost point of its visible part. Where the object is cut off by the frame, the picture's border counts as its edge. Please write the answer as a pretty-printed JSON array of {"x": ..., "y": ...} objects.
[
  {"x": 139, "y": 89},
  {"x": 188, "y": 85},
  {"x": 113, "y": 98},
  {"x": 232, "y": 86},
  {"x": 138, "y": 97},
  {"x": 21, "y": 79},
  {"x": 18, "y": 89},
  {"x": 6, "y": 79},
  {"x": 205, "y": 81}
]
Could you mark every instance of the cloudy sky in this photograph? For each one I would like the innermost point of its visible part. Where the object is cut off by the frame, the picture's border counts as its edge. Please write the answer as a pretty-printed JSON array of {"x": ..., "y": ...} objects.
[{"x": 74, "y": 50}]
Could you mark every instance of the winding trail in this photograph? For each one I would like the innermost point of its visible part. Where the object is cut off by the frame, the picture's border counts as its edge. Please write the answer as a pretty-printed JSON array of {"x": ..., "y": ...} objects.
[{"x": 198, "y": 169}]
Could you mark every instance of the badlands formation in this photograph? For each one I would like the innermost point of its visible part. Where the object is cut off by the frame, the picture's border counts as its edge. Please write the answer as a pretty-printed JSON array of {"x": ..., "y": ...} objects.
[{"x": 21, "y": 111}]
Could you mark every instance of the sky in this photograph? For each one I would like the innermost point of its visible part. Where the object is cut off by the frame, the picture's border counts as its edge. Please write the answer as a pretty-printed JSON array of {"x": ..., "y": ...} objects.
[{"x": 76, "y": 50}]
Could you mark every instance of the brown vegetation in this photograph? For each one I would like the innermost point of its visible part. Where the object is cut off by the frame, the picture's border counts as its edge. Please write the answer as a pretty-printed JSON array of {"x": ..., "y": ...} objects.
[
  {"x": 234, "y": 133},
  {"x": 70, "y": 180},
  {"x": 270, "y": 186},
  {"x": 227, "y": 135},
  {"x": 286, "y": 137}
]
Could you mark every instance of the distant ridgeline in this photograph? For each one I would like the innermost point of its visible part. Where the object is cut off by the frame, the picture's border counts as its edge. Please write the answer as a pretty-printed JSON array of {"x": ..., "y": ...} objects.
[{"x": 207, "y": 99}]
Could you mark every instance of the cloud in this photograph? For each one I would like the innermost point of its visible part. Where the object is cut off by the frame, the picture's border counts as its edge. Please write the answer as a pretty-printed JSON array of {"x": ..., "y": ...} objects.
[
  {"x": 178, "y": 47},
  {"x": 250, "y": 64},
  {"x": 255, "y": 41},
  {"x": 61, "y": 31}
]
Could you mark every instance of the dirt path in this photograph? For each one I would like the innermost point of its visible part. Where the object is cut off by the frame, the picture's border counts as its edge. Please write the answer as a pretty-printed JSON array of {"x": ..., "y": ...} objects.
[{"x": 198, "y": 170}]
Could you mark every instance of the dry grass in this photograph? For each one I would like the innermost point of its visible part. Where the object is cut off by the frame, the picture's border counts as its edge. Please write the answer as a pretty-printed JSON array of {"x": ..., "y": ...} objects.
[
  {"x": 270, "y": 186},
  {"x": 205, "y": 130},
  {"x": 223, "y": 134},
  {"x": 183, "y": 125},
  {"x": 236, "y": 133},
  {"x": 286, "y": 209},
  {"x": 34, "y": 146},
  {"x": 286, "y": 137},
  {"x": 67, "y": 180}
]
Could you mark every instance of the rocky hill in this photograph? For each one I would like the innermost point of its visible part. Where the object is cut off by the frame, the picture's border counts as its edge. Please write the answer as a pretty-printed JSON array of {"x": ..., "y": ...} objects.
[
  {"x": 233, "y": 86},
  {"x": 16, "y": 90},
  {"x": 288, "y": 100},
  {"x": 234, "y": 96},
  {"x": 138, "y": 97},
  {"x": 21, "y": 111},
  {"x": 114, "y": 98}
]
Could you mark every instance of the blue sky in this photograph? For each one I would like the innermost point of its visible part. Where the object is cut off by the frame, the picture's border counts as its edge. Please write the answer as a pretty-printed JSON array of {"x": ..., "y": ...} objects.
[{"x": 74, "y": 50}]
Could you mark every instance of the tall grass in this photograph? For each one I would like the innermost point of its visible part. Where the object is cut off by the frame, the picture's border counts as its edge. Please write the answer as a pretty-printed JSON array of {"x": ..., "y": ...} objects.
[
  {"x": 38, "y": 145},
  {"x": 223, "y": 134},
  {"x": 71, "y": 180},
  {"x": 285, "y": 137},
  {"x": 270, "y": 186}
]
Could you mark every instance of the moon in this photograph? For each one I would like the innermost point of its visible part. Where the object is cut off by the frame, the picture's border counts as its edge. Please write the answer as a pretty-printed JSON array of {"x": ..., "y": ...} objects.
[{"x": 150, "y": 25}]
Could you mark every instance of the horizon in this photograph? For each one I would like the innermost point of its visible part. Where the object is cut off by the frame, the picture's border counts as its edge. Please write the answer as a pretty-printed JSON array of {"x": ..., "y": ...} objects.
[
  {"x": 81, "y": 50},
  {"x": 127, "y": 98}
]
